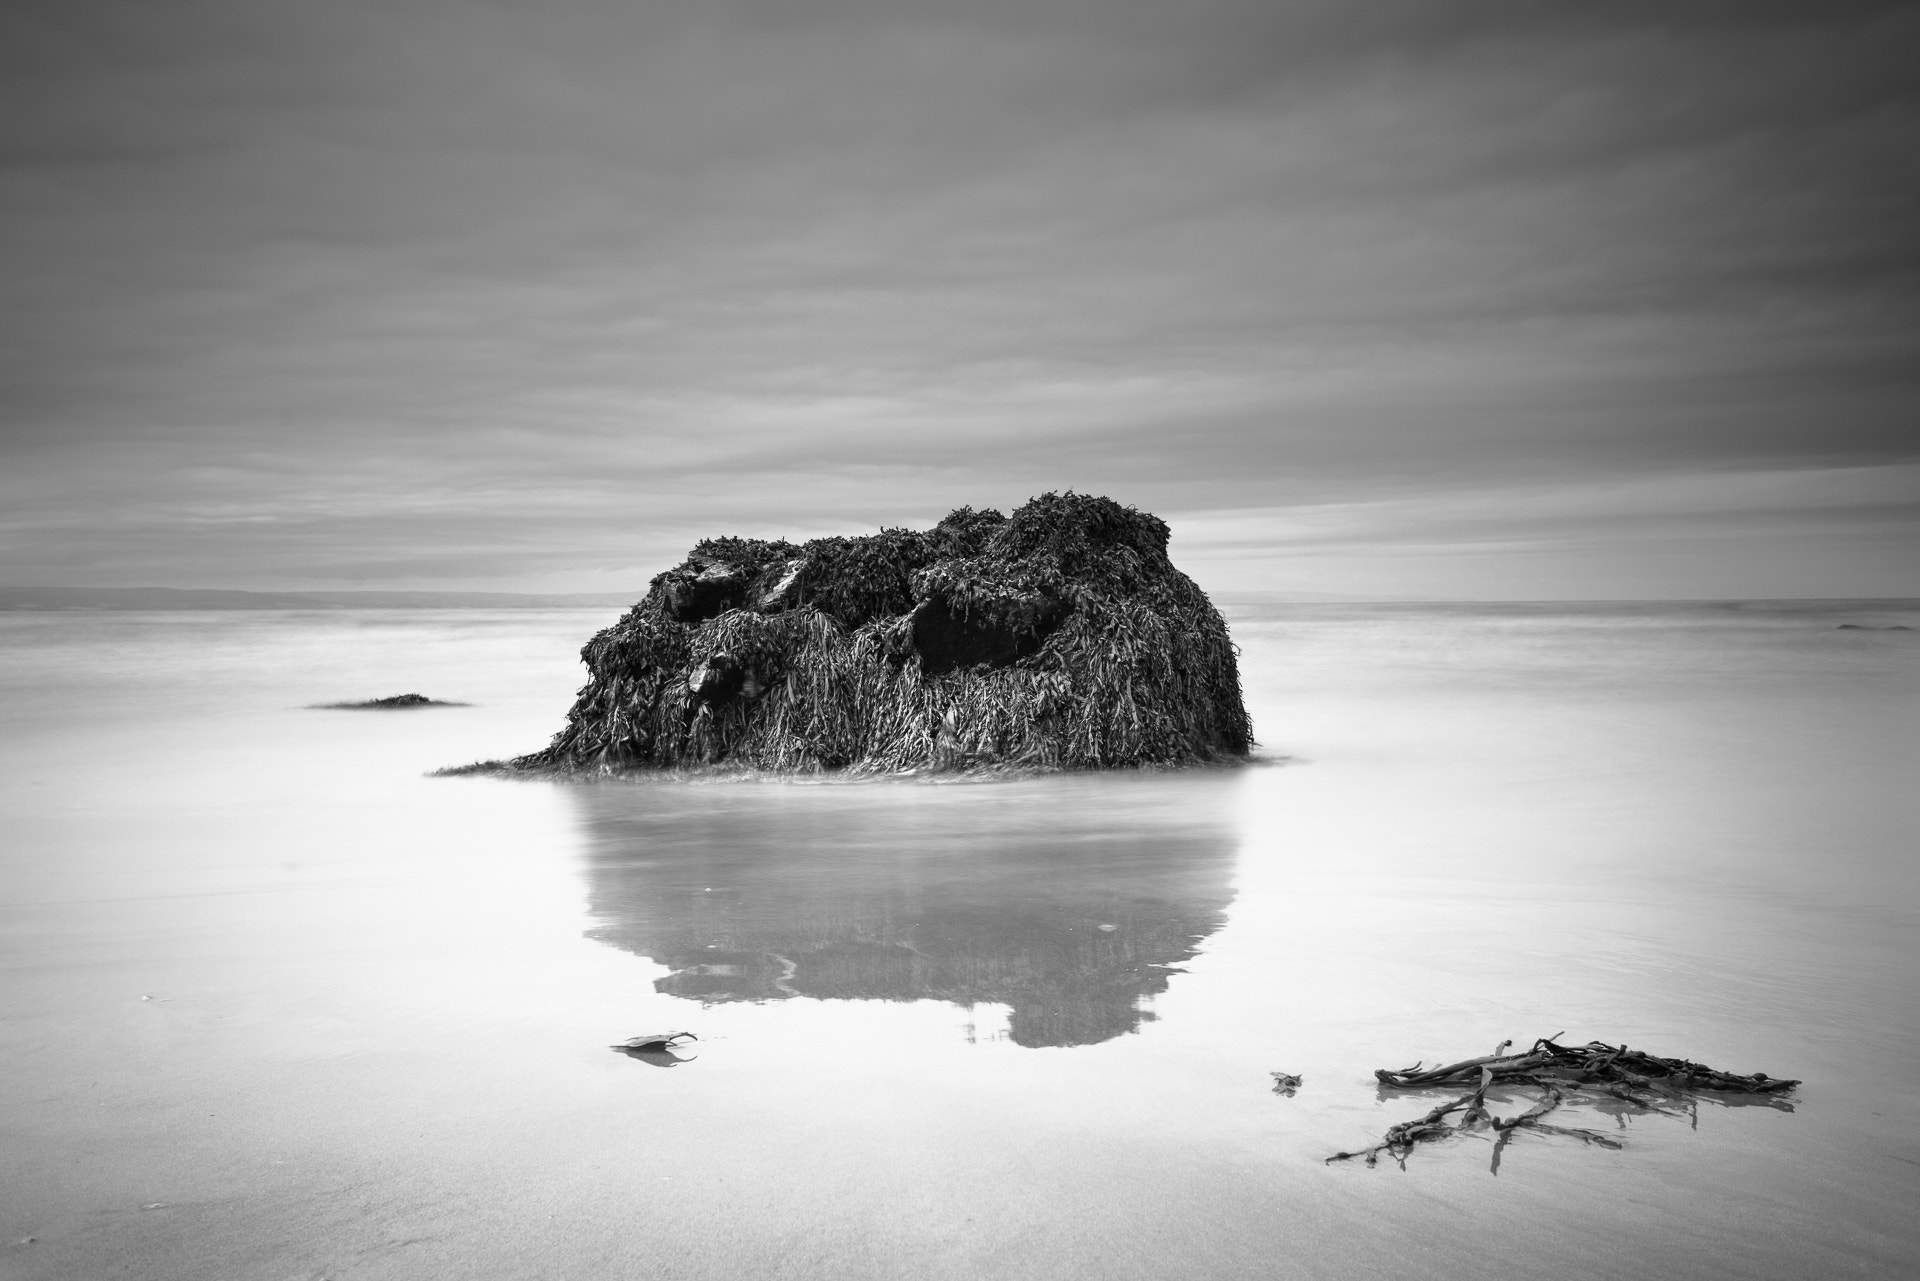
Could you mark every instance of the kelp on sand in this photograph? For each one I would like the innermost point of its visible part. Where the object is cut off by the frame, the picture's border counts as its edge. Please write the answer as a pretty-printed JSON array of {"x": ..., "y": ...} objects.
[
  {"x": 1548, "y": 1077},
  {"x": 1060, "y": 637}
]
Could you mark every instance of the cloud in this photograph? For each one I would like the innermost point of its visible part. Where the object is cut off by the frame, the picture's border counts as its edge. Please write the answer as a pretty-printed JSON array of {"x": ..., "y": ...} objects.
[
  {"x": 490, "y": 293},
  {"x": 1834, "y": 532}
]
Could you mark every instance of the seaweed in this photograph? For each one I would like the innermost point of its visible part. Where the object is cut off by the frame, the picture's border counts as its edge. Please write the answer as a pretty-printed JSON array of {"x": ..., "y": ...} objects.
[
  {"x": 1558, "y": 1075},
  {"x": 1060, "y": 637},
  {"x": 392, "y": 703}
]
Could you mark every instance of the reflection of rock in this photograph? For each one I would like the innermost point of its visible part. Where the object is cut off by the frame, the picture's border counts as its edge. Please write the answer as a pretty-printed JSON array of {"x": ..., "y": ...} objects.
[{"x": 1065, "y": 901}]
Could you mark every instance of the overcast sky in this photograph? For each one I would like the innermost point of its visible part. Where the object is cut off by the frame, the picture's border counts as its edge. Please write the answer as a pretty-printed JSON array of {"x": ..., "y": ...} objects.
[{"x": 1484, "y": 298}]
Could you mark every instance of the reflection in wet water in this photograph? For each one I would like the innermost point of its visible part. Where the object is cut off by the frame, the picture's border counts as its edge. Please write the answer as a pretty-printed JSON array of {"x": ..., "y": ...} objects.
[
  {"x": 656, "y": 1058},
  {"x": 378, "y": 1043},
  {"x": 1070, "y": 901}
]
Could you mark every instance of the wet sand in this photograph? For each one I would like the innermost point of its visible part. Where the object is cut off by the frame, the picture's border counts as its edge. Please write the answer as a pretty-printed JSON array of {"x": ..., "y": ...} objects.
[{"x": 379, "y": 1005}]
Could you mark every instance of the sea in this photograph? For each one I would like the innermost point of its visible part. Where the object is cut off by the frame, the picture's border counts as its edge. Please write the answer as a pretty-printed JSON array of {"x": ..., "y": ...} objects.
[{"x": 276, "y": 1001}]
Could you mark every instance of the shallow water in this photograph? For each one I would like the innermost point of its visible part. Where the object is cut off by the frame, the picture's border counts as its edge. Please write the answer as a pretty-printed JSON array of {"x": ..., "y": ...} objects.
[{"x": 276, "y": 1004}]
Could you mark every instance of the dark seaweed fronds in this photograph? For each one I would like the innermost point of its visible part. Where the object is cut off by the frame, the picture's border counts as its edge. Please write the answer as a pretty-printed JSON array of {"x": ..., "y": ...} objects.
[
  {"x": 392, "y": 703},
  {"x": 1059, "y": 637},
  {"x": 1595, "y": 1062},
  {"x": 1560, "y": 1075}
]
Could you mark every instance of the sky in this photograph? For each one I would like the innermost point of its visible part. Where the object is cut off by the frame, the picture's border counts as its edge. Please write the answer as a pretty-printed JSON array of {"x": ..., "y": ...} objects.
[{"x": 1484, "y": 298}]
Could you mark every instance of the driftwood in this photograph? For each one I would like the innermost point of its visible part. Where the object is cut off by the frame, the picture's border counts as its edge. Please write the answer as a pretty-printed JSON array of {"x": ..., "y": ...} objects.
[
  {"x": 657, "y": 1049},
  {"x": 1595, "y": 1073},
  {"x": 654, "y": 1041}
]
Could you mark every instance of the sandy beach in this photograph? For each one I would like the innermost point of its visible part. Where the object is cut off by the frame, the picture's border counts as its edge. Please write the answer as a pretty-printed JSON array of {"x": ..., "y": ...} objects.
[{"x": 277, "y": 1004}]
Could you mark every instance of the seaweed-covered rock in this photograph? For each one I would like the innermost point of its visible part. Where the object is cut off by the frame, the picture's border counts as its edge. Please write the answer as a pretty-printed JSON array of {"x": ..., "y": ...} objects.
[
  {"x": 1059, "y": 637},
  {"x": 393, "y": 703}
]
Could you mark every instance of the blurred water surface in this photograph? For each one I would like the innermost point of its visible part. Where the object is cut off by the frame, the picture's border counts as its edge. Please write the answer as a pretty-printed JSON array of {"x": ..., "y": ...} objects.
[{"x": 278, "y": 1004}]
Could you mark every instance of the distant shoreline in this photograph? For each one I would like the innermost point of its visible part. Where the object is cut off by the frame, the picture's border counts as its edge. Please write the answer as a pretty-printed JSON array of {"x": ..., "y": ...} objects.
[
  {"x": 36, "y": 599},
  {"x": 195, "y": 600}
]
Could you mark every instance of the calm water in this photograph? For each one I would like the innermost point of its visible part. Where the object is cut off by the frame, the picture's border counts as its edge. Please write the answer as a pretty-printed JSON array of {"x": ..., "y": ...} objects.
[{"x": 278, "y": 1005}]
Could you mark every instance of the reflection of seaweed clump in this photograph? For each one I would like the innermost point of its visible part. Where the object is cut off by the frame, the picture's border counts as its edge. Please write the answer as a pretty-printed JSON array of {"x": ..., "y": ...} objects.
[
  {"x": 1064, "y": 978},
  {"x": 1559, "y": 1075},
  {"x": 1059, "y": 637},
  {"x": 1071, "y": 903}
]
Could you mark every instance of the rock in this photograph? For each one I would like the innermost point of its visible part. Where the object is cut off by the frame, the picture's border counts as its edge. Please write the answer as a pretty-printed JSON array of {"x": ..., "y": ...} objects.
[
  {"x": 946, "y": 640},
  {"x": 697, "y": 592},
  {"x": 393, "y": 703},
  {"x": 716, "y": 679},
  {"x": 1059, "y": 637},
  {"x": 778, "y": 588}
]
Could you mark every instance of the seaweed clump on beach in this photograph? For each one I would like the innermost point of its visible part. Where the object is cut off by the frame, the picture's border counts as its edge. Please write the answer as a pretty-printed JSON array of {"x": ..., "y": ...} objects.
[
  {"x": 392, "y": 703},
  {"x": 1551, "y": 1076},
  {"x": 1059, "y": 637}
]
